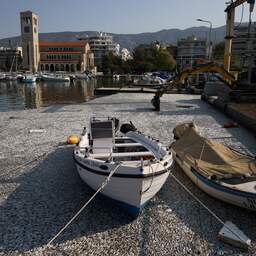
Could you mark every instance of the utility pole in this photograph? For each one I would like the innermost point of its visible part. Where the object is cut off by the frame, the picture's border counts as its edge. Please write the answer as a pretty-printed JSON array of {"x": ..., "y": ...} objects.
[{"x": 210, "y": 38}]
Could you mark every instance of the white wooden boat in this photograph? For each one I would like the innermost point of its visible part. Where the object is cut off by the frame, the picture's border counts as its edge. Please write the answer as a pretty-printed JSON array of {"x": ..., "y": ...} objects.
[
  {"x": 55, "y": 78},
  {"x": 81, "y": 76},
  {"x": 148, "y": 80},
  {"x": 10, "y": 77},
  {"x": 29, "y": 79},
  {"x": 145, "y": 164},
  {"x": 216, "y": 169},
  {"x": 2, "y": 77}
]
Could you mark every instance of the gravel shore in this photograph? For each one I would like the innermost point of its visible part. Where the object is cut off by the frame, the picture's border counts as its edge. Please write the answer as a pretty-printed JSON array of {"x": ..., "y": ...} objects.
[{"x": 37, "y": 200}]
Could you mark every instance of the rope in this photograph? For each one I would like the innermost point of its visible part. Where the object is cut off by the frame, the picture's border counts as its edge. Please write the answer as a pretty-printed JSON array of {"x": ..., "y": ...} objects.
[
  {"x": 7, "y": 171},
  {"x": 203, "y": 205},
  {"x": 105, "y": 182},
  {"x": 241, "y": 19},
  {"x": 151, "y": 182},
  {"x": 202, "y": 151},
  {"x": 23, "y": 165}
]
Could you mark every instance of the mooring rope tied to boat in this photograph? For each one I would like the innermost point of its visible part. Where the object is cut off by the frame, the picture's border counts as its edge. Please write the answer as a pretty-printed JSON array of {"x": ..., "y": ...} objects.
[
  {"x": 204, "y": 206},
  {"x": 104, "y": 183}
]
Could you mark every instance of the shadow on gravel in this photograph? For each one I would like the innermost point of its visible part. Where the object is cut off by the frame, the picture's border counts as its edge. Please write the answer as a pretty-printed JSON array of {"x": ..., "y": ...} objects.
[
  {"x": 199, "y": 220},
  {"x": 46, "y": 198},
  {"x": 136, "y": 110},
  {"x": 202, "y": 108}
]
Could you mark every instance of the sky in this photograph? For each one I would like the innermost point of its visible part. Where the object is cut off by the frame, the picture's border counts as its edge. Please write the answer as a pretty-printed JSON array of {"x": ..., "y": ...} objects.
[{"x": 116, "y": 16}]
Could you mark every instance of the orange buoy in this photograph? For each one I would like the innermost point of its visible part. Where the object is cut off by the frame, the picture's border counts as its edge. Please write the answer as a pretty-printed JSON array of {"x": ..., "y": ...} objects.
[{"x": 72, "y": 139}]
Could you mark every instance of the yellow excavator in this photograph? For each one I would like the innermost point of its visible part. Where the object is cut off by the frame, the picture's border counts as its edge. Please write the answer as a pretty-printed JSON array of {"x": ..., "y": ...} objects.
[
  {"x": 225, "y": 75},
  {"x": 211, "y": 67}
]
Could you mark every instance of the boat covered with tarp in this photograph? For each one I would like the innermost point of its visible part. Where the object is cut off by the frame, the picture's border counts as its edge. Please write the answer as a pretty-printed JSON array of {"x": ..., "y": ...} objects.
[{"x": 218, "y": 170}]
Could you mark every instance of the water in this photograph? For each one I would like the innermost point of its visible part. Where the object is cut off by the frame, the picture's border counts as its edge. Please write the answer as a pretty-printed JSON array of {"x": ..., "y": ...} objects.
[{"x": 17, "y": 96}]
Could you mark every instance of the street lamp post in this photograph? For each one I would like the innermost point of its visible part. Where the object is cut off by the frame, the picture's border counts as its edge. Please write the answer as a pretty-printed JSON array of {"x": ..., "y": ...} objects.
[{"x": 210, "y": 38}]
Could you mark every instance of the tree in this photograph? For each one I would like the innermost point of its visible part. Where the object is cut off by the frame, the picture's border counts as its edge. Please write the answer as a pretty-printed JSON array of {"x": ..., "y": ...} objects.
[
  {"x": 146, "y": 58},
  {"x": 218, "y": 52},
  {"x": 112, "y": 63},
  {"x": 218, "y": 55},
  {"x": 150, "y": 58}
]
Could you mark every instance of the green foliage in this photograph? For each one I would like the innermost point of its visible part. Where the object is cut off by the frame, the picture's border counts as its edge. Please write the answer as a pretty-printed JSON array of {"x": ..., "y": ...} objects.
[
  {"x": 218, "y": 55},
  {"x": 112, "y": 64},
  {"x": 218, "y": 52},
  {"x": 150, "y": 58},
  {"x": 146, "y": 58}
]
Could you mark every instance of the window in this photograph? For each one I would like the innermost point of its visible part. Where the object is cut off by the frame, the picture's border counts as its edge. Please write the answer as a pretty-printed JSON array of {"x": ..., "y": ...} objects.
[
  {"x": 26, "y": 29},
  {"x": 35, "y": 30},
  {"x": 35, "y": 21},
  {"x": 27, "y": 20}
]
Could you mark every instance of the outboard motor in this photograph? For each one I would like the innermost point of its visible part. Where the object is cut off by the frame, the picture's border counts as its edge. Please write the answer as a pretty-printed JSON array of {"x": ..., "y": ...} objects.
[
  {"x": 116, "y": 123},
  {"x": 156, "y": 102},
  {"x": 127, "y": 128}
]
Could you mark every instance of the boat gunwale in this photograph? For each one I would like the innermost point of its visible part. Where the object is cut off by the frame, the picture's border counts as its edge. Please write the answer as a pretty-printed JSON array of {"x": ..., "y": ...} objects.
[
  {"x": 124, "y": 175},
  {"x": 221, "y": 186}
]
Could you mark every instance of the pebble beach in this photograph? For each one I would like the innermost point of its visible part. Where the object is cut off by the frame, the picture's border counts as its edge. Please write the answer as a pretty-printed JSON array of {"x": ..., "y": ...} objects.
[{"x": 38, "y": 198}]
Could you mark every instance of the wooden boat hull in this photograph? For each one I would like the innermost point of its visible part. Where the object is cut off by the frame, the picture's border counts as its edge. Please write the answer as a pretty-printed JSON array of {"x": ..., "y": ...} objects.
[
  {"x": 130, "y": 187},
  {"x": 216, "y": 189},
  {"x": 55, "y": 79},
  {"x": 29, "y": 80}
]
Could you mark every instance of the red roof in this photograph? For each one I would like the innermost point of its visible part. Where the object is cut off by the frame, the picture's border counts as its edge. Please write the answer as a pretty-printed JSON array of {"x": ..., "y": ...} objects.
[
  {"x": 61, "y": 52},
  {"x": 62, "y": 61},
  {"x": 75, "y": 43}
]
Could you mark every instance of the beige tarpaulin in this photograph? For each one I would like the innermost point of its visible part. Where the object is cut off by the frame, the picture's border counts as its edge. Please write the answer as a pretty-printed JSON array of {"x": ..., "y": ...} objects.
[{"x": 208, "y": 156}]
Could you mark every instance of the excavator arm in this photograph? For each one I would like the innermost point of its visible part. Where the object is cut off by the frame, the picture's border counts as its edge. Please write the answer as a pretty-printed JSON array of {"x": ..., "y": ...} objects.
[{"x": 211, "y": 67}]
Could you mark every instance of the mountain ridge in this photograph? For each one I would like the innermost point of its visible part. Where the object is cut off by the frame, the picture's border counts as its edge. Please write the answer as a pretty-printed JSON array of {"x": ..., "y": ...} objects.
[{"x": 129, "y": 41}]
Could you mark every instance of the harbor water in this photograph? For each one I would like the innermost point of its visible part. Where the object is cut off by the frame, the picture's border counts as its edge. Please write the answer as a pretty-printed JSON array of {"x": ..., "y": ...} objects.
[{"x": 18, "y": 96}]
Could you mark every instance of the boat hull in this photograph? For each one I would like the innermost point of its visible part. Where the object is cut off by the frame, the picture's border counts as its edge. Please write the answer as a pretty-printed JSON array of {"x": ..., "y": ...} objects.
[
  {"x": 130, "y": 187},
  {"x": 232, "y": 196},
  {"x": 55, "y": 79},
  {"x": 29, "y": 81}
]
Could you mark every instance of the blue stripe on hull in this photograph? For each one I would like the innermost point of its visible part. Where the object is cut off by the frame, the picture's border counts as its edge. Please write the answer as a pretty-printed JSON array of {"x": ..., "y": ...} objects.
[
  {"x": 221, "y": 187},
  {"x": 131, "y": 209}
]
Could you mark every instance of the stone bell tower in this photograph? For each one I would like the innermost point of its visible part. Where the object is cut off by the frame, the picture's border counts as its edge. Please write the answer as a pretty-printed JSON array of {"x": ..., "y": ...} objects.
[{"x": 29, "y": 39}]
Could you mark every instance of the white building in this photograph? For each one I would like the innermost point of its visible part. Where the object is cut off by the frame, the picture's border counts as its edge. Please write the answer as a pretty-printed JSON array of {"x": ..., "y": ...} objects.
[
  {"x": 101, "y": 45},
  {"x": 189, "y": 50},
  {"x": 125, "y": 54},
  {"x": 117, "y": 49}
]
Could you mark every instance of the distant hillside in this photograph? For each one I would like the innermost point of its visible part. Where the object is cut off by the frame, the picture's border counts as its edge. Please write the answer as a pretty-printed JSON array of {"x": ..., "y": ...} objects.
[{"x": 130, "y": 40}]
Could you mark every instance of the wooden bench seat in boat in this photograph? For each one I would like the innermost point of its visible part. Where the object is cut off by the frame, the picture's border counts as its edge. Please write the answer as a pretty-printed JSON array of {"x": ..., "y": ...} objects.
[
  {"x": 125, "y": 154},
  {"x": 127, "y": 144}
]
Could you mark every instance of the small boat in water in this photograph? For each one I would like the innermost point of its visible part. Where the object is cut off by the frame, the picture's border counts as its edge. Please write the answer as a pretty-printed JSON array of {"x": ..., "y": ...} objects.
[
  {"x": 29, "y": 79},
  {"x": 149, "y": 80},
  {"x": 55, "y": 78},
  {"x": 2, "y": 77},
  {"x": 10, "y": 77},
  {"x": 81, "y": 76},
  {"x": 142, "y": 163},
  {"x": 216, "y": 169}
]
